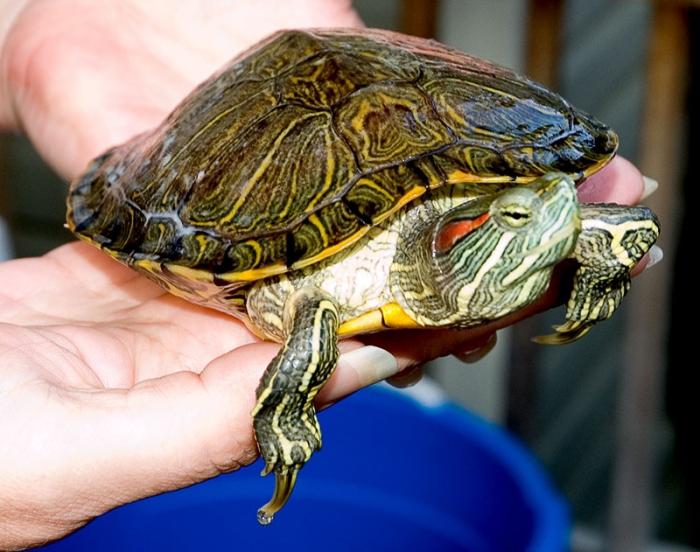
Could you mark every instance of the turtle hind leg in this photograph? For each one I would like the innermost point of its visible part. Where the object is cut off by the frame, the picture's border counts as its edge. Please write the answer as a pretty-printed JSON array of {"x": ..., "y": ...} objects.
[
  {"x": 612, "y": 241},
  {"x": 284, "y": 417}
]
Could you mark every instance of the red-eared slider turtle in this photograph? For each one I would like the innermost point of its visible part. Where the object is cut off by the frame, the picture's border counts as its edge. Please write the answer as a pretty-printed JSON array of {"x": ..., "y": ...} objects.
[{"x": 333, "y": 182}]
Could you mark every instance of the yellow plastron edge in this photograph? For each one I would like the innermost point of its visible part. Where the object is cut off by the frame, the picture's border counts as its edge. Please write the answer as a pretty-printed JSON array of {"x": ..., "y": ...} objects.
[{"x": 389, "y": 316}]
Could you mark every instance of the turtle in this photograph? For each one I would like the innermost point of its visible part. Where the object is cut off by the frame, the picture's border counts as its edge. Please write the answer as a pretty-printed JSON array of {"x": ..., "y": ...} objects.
[{"x": 332, "y": 182}]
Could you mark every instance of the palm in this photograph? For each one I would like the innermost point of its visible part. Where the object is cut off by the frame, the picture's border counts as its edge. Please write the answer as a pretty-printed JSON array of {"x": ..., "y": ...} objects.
[
  {"x": 119, "y": 328},
  {"x": 97, "y": 356}
]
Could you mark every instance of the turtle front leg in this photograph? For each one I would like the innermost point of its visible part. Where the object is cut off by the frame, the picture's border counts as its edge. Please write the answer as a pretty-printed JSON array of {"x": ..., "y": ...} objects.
[
  {"x": 284, "y": 418},
  {"x": 613, "y": 239}
]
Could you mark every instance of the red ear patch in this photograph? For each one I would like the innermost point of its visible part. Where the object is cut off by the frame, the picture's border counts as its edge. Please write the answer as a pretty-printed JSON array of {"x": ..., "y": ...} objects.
[{"x": 454, "y": 231}]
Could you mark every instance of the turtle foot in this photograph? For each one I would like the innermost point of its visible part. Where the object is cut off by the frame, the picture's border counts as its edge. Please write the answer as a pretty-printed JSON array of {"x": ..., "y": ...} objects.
[
  {"x": 286, "y": 439},
  {"x": 284, "y": 485},
  {"x": 564, "y": 333}
]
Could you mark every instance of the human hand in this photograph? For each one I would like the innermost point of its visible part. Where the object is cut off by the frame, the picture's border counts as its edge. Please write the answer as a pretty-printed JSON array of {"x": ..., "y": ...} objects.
[{"x": 114, "y": 390}]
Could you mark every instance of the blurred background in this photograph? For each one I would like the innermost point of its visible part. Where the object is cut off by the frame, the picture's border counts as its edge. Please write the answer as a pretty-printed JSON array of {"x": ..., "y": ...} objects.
[{"x": 611, "y": 417}]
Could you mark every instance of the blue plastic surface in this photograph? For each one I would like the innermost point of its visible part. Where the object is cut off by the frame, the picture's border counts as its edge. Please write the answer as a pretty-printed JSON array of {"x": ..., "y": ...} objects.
[{"x": 392, "y": 475}]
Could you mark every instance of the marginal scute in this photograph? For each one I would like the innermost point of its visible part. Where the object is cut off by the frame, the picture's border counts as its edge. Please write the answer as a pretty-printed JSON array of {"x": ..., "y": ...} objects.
[
  {"x": 376, "y": 194},
  {"x": 255, "y": 252},
  {"x": 480, "y": 161},
  {"x": 334, "y": 223},
  {"x": 204, "y": 251},
  {"x": 521, "y": 160},
  {"x": 308, "y": 240},
  {"x": 126, "y": 223},
  {"x": 162, "y": 238}
]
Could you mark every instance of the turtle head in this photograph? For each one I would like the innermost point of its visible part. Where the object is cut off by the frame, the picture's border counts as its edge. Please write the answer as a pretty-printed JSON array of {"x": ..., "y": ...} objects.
[{"x": 493, "y": 255}]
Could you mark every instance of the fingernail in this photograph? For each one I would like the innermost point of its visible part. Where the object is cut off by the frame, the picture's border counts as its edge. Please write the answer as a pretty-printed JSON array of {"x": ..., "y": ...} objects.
[
  {"x": 655, "y": 256},
  {"x": 478, "y": 353},
  {"x": 650, "y": 186},
  {"x": 371, "y": 363}
]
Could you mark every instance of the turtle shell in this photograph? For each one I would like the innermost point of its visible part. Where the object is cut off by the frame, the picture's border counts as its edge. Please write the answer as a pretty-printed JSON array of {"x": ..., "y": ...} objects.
[{"x": 298, "y": 146}]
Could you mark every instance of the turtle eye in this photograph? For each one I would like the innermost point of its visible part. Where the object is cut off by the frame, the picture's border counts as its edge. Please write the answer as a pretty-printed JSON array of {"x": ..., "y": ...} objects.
[
  {"x": 516, "y": 209},
  {"x": 516, "y": 216}
]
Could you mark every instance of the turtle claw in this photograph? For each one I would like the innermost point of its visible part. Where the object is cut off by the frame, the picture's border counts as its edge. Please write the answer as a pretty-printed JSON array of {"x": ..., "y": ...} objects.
[
  {"x": 284, "y": 485},
  {"x": 564, "y": 333}
]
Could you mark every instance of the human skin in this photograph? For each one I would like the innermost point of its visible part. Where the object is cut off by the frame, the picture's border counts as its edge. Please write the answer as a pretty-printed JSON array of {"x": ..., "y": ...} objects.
[{"x": 112, "y": 390}]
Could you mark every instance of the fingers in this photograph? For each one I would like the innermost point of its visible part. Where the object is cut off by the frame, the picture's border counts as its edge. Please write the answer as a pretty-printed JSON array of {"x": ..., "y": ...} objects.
[
  {"x": 650, "y": 186},
  {"x": 618, "y": 182},
  {"x": 474, "y": 355},
  {"x": 407, "y": 378},
  {"x": 398, "y": 357},
  {"x": 358, "y": 366}
]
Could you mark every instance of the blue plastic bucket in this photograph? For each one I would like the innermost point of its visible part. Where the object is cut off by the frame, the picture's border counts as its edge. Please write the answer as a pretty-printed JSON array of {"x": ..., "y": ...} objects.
[{"x": 393, "y": 475}]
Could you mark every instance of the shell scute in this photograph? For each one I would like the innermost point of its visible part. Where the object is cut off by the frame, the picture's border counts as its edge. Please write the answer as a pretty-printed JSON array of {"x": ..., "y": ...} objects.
[
  {"x": 279, "y": 170},
  {"x": 513, "y": 116},
  {"x": 268, "y": 58},
  {"x": 389, "y": 124},
  {"x": 327, "y": 79}
]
